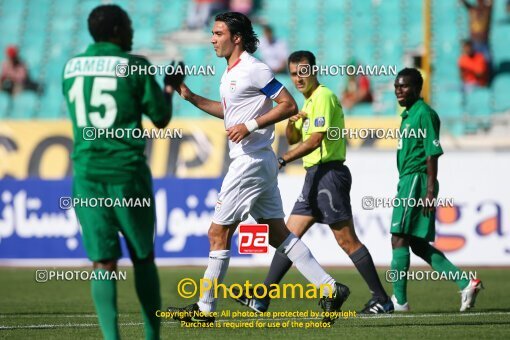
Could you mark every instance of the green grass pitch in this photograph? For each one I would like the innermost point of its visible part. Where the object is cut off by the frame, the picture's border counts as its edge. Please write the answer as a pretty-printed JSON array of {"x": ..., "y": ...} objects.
[{"x": 64, "y": 310}]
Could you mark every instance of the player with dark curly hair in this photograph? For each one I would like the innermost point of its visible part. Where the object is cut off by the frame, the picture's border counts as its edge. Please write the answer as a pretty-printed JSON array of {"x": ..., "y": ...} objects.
[{"x": 248, "y": 89}]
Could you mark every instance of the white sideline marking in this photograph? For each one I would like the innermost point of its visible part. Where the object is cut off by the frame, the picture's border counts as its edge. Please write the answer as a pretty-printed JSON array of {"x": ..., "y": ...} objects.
[{"x": 175, "y": 323}]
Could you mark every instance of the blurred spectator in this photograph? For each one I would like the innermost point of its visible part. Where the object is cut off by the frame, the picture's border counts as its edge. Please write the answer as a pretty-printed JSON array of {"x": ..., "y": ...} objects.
[
  {"x": 200, "y": 11},
  {"x": 357, "y": 90},
  {"x": 479, "y": 26},
  {"x": 473, "y": 67},
  {"x": 273, "y": 51},
  {"x": 14, "y": 76},
  {"x": 242, "y": 6}
]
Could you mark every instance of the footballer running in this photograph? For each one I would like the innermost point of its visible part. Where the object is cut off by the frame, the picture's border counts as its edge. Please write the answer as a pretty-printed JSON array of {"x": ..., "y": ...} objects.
[{"x": 248, "y": 89}]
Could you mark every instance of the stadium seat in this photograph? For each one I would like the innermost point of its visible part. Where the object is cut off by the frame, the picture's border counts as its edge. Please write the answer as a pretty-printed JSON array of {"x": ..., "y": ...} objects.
[
  {"x": 412, "y": 13},
  {"x": 66, "y": 8},
  {"x": 12, "y": 17},
  {"x": 177, "y": 11},
  {"x": 389, "y": 33},
  {"x": 448, "y": 103},
  {"x": 501, "y": 86},
  {"x": 478, "y": 102},
  {"x": 144, "y": 38},
  {"x": 52, "y": 102},
  {"x": 4, "y": 105},
  {"x": 24, "y": 105},
  {"x": 375, "y": 32}
]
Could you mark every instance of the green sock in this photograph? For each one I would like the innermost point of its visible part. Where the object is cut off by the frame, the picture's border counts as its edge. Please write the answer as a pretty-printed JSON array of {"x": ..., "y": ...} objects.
[
  {"x": 441, "y": 264},
  {"x": 104, "y": 295},
  {"x": 400, "y": 263},
  {"x": 147, "y": 288}
]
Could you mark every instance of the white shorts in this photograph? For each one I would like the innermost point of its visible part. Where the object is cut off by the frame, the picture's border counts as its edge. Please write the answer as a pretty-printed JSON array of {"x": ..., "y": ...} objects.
[{"x": 250, "y": 187}]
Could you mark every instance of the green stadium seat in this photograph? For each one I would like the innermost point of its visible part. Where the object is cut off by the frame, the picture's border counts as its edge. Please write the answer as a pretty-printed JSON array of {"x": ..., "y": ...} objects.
[
  {"x": 501, "y": 87},
  {"x": 375, "y": 32},
  {"x": 66, "y": 8},
  {"x": 24, "y": 105},
  {"x": 172, "y": 15},
  {"x": 413, "y": 15},
  {"x": 4, "y": 105},
  {"x": 144, "y": 37},
  {"x": 52, "y": 102},
  {"x": 448, "y": 103},
  {"x": 274, "y": 7},
  {"x": 500, "y": 41},
  {"x": 12, "y": 13},
  {"x": 389, "y": 104},
  {"x": 478, "y": 102},
  {"x": 499, "y": 14}
]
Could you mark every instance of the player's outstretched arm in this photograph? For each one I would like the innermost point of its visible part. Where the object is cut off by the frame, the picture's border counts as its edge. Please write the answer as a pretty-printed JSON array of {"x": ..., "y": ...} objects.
[{"x": 212, "y": 107}]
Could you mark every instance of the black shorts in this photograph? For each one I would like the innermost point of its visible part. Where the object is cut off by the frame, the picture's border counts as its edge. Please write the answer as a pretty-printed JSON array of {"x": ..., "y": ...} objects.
[{"x": 326, "y": 193}]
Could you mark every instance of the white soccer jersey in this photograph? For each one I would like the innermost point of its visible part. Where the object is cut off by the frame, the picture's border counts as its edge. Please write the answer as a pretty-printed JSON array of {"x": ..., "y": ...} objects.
[{"x": 247, "y": 90}]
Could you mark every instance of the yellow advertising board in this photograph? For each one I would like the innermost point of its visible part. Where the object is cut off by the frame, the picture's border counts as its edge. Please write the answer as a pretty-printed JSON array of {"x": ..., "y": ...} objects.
[{"x": 42, "y": 148}]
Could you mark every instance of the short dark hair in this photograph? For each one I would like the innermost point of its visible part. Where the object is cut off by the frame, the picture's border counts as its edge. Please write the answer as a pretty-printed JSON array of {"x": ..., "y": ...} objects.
[
  {"x": 414, "y": 74},
  {"x": 297, "y": 56},
  {"x": 103, "y": 20},
  {"x": 240, "y": 24}
]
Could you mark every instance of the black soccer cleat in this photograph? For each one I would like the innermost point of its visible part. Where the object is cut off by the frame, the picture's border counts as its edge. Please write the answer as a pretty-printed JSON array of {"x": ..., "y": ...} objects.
[
  {"x": 378, "y": 306},
  {"x": 333, "y": 304},
  {"x": 257, "y": 305},
  {"x": 190, "y": 313}
]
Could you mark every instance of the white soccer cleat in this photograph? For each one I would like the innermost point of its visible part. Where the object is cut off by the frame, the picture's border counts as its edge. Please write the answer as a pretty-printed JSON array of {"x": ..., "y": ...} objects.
[
  {"x": 468, "y": 294},
  {"x": 398, "y": 307}
]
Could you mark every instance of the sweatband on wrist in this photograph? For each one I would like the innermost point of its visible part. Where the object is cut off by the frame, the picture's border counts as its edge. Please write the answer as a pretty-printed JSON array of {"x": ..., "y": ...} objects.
[{"x": 252, "y": 125}]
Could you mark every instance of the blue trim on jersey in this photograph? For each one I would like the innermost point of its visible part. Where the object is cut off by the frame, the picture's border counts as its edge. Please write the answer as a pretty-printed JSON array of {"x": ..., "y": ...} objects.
[{"x": 272, "y": 88}]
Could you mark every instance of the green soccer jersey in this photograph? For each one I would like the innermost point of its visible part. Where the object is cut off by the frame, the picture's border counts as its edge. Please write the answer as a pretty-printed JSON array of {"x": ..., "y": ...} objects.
[
  {"x": 99, "y": 97},
  {"x": 323, "y": 112},
  {"x": 419, "y": 138}
]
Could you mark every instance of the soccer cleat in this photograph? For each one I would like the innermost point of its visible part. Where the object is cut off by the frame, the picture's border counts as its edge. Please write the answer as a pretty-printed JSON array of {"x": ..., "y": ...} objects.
[
  {"x": 257, "y": 305},
  {"x": 378, "y": 306},
  {"x": 468, "y": 294},
  {"x": 333, "y": 304},
  {"x": 398, "y": 307},
  {"x": 190, "y": 313}
]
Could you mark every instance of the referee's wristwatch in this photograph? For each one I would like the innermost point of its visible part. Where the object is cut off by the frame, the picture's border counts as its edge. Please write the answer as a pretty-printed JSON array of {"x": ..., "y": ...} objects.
[{"x": 282, "y": 161}]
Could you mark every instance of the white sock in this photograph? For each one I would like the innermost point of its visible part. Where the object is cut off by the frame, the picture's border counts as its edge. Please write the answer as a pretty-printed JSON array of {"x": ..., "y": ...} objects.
[
  {"x": 216, "y": 270},
  {"x": 307, "y": 265}
]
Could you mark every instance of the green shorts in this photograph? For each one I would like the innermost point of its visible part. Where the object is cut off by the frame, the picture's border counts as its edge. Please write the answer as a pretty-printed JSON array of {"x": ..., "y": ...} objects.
[
  {"x": 407, "y": 216},
  {"x": 101, "y": 224}
]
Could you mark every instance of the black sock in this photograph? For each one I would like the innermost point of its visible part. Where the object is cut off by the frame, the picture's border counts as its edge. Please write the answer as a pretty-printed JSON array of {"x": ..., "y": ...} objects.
[
  {"x": 280, "y": 265},
  {"x": 365, "y": 266}
]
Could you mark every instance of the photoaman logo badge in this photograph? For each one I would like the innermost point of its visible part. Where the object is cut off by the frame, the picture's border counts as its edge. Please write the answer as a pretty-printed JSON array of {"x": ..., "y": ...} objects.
[{"x": 253, "y": 238}]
